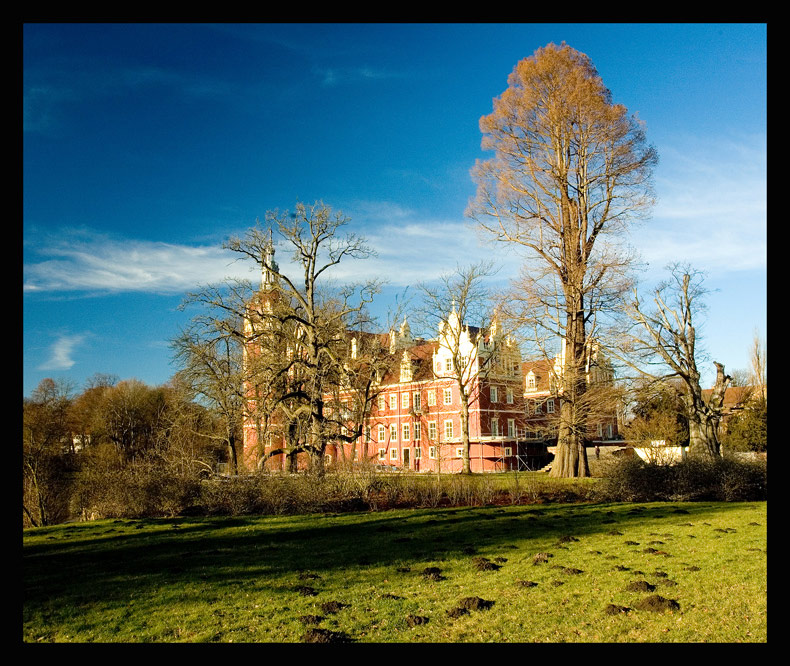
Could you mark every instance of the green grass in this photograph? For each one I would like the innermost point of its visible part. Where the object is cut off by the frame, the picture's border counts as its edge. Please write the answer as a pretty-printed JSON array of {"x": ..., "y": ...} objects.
[{"x": 239, "y": 579}]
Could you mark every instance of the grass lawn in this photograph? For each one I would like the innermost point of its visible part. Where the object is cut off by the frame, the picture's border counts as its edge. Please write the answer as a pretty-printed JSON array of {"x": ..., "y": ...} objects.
[{"x": 662, "y": 572}]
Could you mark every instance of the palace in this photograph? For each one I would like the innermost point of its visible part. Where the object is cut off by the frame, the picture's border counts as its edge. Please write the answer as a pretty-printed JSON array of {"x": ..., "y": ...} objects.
[{"x": 413, "y": 419}]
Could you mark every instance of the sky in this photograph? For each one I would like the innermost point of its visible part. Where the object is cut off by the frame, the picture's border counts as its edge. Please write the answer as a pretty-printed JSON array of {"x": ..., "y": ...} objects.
[{"x": 146, "y": 146}]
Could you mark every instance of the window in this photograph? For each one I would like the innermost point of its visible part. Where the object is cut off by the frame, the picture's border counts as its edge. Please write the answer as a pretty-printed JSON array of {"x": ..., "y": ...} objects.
[
  {"x": 393, "y": 454},
  {"x": 406, "y": 433},
  {"x": 509, "y": 396},
  {"x": 382, "y": 434},
  {"x": 531, "y": 383},
  {"x": 382, "y": 454},
  {"x": 367, "y": 434},
  {"x": 448, "y": 396},
  {"x": 508, "y": 451},
  {"x": 393, "y": 401},
  {"x": 609, "y": 431},
  {"x": 417, "y": 432},
  {"x": 382, "y": 403},
  {"x": 448, "y": 365},
  {"x": 448, "y": 429},
  {"x": 404, "y": 400},
  {"x": 432, "y": 398},
  {"x": 415, "y": 400},
  {"x": 459, "y": 452},
  {"x": 417, "y": 453},
  {"x": 494, "y": 394},
  {"x": 550, "y": 405},
  {"x": 432, "y": 431},
  {"x": 393, "y": 433},
  {"x": 432, "y": 452},
  {"x": 511, "y": 428},
  {"x": 495, "y": 427}
]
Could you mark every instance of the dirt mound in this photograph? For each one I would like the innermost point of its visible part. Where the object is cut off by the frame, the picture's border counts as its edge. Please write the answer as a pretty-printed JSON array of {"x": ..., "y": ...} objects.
[
  {"x": 567, "y": 539},
  {"x": 432, "y": 573},
  {"x": 541, "y": 558},
  {"x": 318, "y": 635},
  {"x": 526, "y": 583},
  {"x": 640, "y": 586},
  {"x": 475, "y": 603},
  {"x": 306, "y": 591},
  {"x": 484, "y": 564},
  {"x": 333, "y": 606},
  {"x": 311, "y": 619},
  {"x": 612, "y": 609},
  {"x": 657, "y": 603},
  {"x": 416, "y": 620}
]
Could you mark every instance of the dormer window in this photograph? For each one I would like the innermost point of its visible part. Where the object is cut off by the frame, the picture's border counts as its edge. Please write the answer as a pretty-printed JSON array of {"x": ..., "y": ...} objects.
[{"x": 532, "y": 382}]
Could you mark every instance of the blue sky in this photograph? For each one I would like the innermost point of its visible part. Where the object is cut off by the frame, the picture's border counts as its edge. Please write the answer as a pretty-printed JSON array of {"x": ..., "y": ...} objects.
[{"x": 146, "y": 145}]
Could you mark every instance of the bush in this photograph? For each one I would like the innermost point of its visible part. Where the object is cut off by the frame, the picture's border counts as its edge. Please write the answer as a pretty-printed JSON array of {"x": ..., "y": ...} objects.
[
  {"x": 142, "y": 489},
  {"x": 722, "y": 480}
]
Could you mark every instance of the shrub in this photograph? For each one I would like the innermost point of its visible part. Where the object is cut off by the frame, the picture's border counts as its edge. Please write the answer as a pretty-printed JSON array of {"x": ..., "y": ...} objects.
[{"x": 724, "y": 479}]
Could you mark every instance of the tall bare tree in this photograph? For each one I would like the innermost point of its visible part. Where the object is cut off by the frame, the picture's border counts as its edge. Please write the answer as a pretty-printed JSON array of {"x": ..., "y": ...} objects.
[
  {"x": 461, "y": 298},
  {"x": 664, "y": 342},
  {"x": 570, "y": 171},
  {"x": 308, "y": 318}
]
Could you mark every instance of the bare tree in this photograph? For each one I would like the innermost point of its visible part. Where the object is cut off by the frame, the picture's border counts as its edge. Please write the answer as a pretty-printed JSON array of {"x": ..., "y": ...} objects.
[
  {"x": 210, "y": 354},
  {"x": 665, "y": 337},
  {"x": 570, "y": 171},
  {"x": 759, "y": 371},
  {"x": 308, "y": 319},
  {"x": 468, "y": 352}
]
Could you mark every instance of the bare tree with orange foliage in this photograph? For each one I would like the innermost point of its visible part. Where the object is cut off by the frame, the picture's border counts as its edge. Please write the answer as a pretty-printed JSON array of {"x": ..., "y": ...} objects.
[{"x": 570, "y": 170}]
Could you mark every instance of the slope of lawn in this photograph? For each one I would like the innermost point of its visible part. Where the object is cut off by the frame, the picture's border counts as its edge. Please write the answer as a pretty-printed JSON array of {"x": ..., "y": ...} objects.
[{"x": 661, "y": 572}]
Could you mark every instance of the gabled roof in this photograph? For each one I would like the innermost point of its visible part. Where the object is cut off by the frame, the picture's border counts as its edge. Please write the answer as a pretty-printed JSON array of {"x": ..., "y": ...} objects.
[
  {"x": 421, "y": 356},
  {"x": 542, "y": 370},
  {"x": 735, "y": 397}
]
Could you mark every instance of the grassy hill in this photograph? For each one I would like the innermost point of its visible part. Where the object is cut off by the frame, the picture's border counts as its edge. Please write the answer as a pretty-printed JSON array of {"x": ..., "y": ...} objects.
[{"x": 656, "y": 572}]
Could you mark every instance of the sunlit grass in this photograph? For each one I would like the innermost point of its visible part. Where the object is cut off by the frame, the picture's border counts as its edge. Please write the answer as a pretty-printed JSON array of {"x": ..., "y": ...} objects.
[{"x": 246, "y": 579}]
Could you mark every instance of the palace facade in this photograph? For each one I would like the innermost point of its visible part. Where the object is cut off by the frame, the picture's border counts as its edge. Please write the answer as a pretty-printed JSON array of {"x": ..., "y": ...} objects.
[{"x": 413, "y": 421}]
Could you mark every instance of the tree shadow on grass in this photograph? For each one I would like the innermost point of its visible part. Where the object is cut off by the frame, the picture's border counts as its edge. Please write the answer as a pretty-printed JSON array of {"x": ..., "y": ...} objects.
[{"x": 112, "y": 559}]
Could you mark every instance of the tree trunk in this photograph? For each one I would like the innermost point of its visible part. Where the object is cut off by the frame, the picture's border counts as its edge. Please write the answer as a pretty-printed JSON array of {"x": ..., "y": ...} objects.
[
  {"x": 704, "y": 417},
  {"x": 571, "y": 457},
  {"x": 467, "y": 464},
  {"x": 232, "y": 456}
]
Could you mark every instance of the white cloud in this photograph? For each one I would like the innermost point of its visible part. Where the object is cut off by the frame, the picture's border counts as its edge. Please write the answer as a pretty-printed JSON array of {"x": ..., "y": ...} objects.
[
  {"x": 712, "y": 209},
  {"x": 61, "y": 352},
  {"x": 89, "y": 261}
]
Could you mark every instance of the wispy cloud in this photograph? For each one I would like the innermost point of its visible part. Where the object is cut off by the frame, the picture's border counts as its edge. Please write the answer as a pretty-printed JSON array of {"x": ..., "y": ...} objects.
[
  {"x": 47, "y": 90},
  {"x": 712, "y": 211},
  {"x": 83, "y": 260},
  {"x": 61, "y": 352},
  {"x": 334, "y": 76}
]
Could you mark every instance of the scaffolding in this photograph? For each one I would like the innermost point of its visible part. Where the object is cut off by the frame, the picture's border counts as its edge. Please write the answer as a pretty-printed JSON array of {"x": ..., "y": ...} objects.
[{"x": 522, "y": 457}]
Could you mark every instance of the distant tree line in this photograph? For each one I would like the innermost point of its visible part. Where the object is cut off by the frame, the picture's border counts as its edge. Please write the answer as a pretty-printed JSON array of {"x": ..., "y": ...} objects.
[{"x": 115, "y": 446}]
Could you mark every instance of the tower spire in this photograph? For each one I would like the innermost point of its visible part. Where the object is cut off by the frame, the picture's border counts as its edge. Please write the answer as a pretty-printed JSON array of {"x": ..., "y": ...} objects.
[{"x": 268, "y": 265}]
